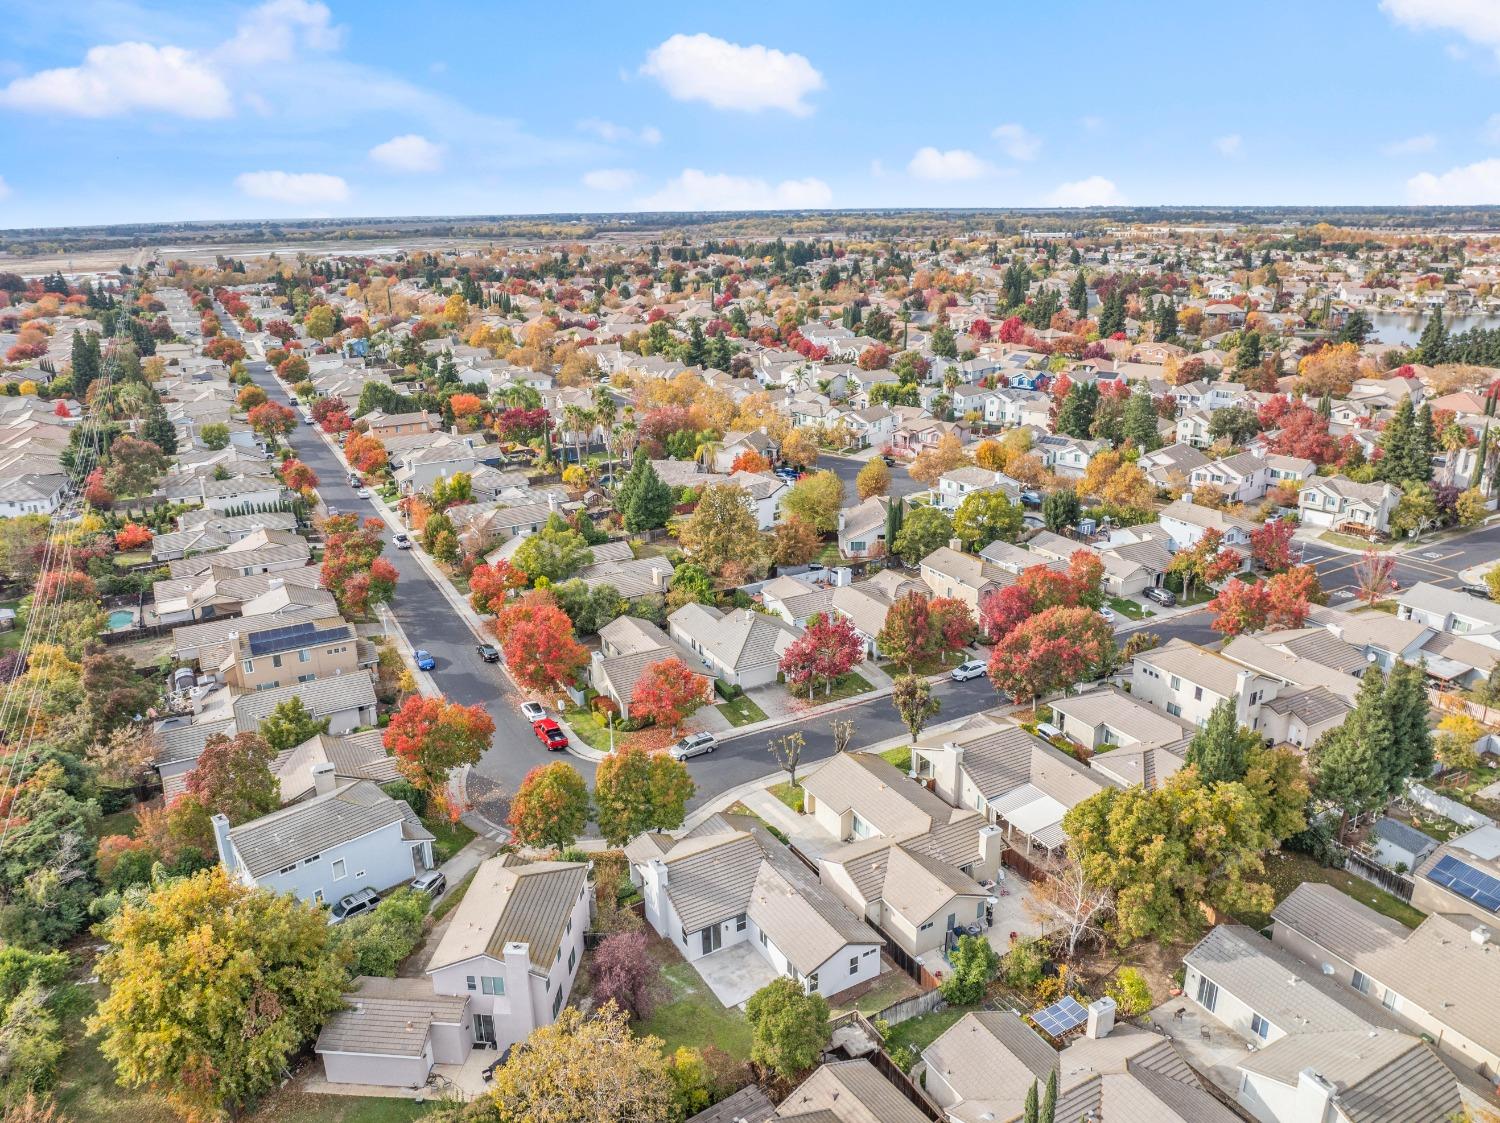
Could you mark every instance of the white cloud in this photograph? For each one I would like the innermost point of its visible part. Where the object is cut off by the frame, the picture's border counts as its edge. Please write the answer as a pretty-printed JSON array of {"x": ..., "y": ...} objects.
[
  {"x": 609, "y": 179},
  {"x": 1476, "y": 20},
  {"x": 121, "y": 77},
  {"x": 730, "y": 76},
  {"x": 1017, "y": 142},
  {"x": 276, "y": 30},
  {"x": 4, "y": 188},
  {"x": 1232, "y": 145},
  {"x": 620, "y": 134},
  {"x": 1464, "y": 186},
  {"x": 696, "y": 190},
  {"x": 409, "y": 152},
  {"x": 954, "y": 164},
  {"x": 1095, "y": 191},
  {"x": 1410, "y": 146},
  {"x": 297, "y": 188}
]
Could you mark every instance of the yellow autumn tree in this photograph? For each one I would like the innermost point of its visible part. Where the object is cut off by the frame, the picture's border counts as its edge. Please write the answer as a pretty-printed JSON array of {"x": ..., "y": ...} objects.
[
  {"x": 1329, "y": 371},
  {"x": 931, "y": 463}
]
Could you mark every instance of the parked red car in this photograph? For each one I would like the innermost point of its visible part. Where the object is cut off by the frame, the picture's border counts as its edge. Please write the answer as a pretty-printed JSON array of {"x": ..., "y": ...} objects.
[{"x": 549, "y": 733}]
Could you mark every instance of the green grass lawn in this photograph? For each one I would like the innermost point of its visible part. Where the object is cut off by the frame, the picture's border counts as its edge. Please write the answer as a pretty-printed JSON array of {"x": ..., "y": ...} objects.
[
  {"x": 450, "y": 837},
  {"x": 741, "y": 711},
  {"x": 830, "y": 555},
  {"x": 689, "y": 1014},
  {"x": 847, "y": 686},
  {"x": 923, "y": 668},
  {"x": 895, "y": 986},
  {"x": 592, "y": 728},
  {"x": 788, "y": 795},
  {"x": 1285, "y": 871},
  {"x": 121, "y": 822},
  {"x": 900, "y": 756},
  {"x": 1352, "y": 542},
  {"x": 907, "y": 1040},
  {"x": 131, "y": 558},
  {"x": 1129, "y": 608}
]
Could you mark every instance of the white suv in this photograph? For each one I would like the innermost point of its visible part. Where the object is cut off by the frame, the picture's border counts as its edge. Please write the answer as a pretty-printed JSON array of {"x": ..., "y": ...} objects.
[
  {"x": 974, "y": 668},
  {"x": 694, "y": 744}
]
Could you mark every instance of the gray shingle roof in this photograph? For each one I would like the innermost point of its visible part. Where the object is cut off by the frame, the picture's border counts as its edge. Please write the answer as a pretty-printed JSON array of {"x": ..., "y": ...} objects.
[{"x": 274, "y": 841}]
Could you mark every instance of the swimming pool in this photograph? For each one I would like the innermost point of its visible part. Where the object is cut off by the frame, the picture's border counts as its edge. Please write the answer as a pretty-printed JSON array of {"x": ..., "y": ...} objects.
[{"x": 121, "y": 618}]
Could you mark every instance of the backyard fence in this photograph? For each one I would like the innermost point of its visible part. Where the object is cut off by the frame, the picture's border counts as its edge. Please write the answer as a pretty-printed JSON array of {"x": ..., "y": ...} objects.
[
  {"x": 1448, "y": 808},
  {"x": 1376, "y": 874},
  {"x": 909, "y": 1008},
  {"x": 889, "y": 1068}
]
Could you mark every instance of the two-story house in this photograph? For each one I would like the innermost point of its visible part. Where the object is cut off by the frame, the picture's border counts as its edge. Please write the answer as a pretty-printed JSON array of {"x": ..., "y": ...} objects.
[{"x": 1340, "y": 503}]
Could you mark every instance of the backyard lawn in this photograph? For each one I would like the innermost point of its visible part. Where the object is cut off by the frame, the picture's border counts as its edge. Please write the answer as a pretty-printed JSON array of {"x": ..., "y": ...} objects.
[
  {"x": 900, "y": 756},
  {"x": 741, "y": 711},
  {"x": 906, "y": 1040},
  {"x": 689, "y": 1014},
  {"x": 1286, "y": 870}
]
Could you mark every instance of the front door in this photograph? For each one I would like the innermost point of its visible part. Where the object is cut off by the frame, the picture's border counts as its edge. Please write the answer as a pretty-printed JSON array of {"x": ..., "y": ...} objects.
[
  {"x": 484, "y": 1031},
  {"x": 712, "y": 939}
]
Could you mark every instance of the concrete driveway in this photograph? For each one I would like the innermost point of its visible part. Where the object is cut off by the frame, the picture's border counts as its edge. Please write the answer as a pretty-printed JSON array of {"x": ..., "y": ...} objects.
[{"x": 734, "y": 973}]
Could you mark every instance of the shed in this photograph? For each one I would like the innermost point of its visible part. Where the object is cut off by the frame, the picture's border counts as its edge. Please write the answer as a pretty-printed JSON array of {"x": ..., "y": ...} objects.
[{"x": 1396, "y": 844}]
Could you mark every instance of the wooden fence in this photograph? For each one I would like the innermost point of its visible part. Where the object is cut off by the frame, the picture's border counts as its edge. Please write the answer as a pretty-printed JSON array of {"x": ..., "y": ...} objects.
[
  {"x": 1392, "y": 882},
  {"x": 908, "y": 1008}
]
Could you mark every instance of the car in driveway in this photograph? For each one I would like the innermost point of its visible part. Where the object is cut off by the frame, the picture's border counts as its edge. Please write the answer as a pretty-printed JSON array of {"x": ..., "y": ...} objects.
[
  {"x": 433, "y": 882},
  {"x": 402, "y": 542},
  {"x": 694, "y": 744},
  {"x": 1165, "y": 597},
  {"x": 971, "y": 668},
  {"x": 1108, "y": 614},
  {"x": 549, "y": 733},
  {"x": 533, "y": 711},
  {"x": 488, "y": 652},
  {"x": 425, "y": 661},
  {"x": 355, "y": 904},
  {"x": 789, "y": 475}
]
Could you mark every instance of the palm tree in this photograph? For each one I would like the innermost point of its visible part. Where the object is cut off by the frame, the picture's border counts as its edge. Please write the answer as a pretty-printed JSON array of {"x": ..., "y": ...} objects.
[
  {"x": 578, "y": 421},
  {"x": 1454, "y": 439},
  {"x": 605, "y": 411}
]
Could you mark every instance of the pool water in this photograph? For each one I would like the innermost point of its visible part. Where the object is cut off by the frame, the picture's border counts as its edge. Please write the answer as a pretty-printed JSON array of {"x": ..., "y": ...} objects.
[{"x": 121, "y": 618}]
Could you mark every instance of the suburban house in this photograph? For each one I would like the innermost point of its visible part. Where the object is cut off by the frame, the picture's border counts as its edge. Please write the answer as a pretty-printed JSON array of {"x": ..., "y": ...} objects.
[
  {"x": 513, "y": 946},
  {"x": 958, "y": 484},
  {"x": 392, "y": 1032},
  {"x": 385, "y": 425},
  {"x": 865, "y": 604},
  {"x": 949, "y": 572},
  {"x": 262, "y": 551},
  {"x": 985, "y": 1065},
  {"x": 627, "y": 646},
  {"x": 444, "y": 457},
  {"x": 838, "y": 1092},
  {"x": 911, "y": 864},
  {"x": 1017, "y": 781},
  {"x": 796, "y": 600},
  {"x": 1186, "y": 523},
  {"x": 1451, "y": 611},
  {"x": 345, "y": 838},
  {"x": 727, "y": 886},
  {"x": 862, "y": 528},
  {"x": 1132, "y": 742},
  {"x": 1340, "y": 503},
  {"x": 1188, "y": 681},
  {"x": 359, "y": 756},
  {"x": 1241, "y": 478},
  {"x": 742, "y": 647},
  {"x": 1461, "y": 877},
  {"x": 265, "y": 659},
  {"x": 1309, "y": 1047},
  {"x": 1435, "y": 978},
  {"x": 767, "y": 492},
  {"x": 1172, "y": 466}
]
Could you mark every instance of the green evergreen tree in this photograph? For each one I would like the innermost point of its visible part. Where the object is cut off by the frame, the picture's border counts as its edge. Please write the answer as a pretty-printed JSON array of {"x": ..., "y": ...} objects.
[
  {"x": 1357, "y": 328},
  {"x": 159, "y": 430},
  {"x": 1075, "y": 416},
  {"x": 697, "y": 346},
  {"x": 1476, "y": 478},
  {"x": 895, "y": 516},
  {"x": 1432, "y": 347},
  {"x": 1411, "y": 726},
  {"x": 1166, "y": 319},
  {"x": 1248, "y": 356},
  {"x": 1424, "y": 445},
  {"x": 1061, "y": 509},
  {"x": 1139, "y": 422},
  {"x": 645, "y": 500},
  {"x": 1112, "y": 314},
  {"x": 1030, "y": 1113},
  {"x": 1221, "y": 748},
  {"x": 1349, "y": 762},
  {"x": 1048, "y": 1113},
  {"x": 1078, "y": 294},
  {"x": 86, "y": 362},
  {"x": 1395, "y": 444}
]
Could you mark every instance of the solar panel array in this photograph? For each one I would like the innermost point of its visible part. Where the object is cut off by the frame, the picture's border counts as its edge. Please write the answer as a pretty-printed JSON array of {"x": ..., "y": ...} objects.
[
  {"x": 1061, "y": 1017},
  {"x": 293, "y": 636},
  {"x": 1469, "y": 883}
]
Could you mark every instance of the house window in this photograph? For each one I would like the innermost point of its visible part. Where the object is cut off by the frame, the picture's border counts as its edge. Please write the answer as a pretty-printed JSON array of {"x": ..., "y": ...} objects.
[
  {"x": 491, "y": 984},
  {"x": 1174, "y": 709},
  {"x": 304, "y": 656},
  {"x": 1176, "y": 683},
  {"x": 1360, "y": 982},
  {"x": 249, "y": 666},
  {"x": 1391, "y": 1001},
  {"x": 572, "y": 959},
  {"x": 854, "y": 965},
  {"x": 765, "y": 943},
  {"x": 469, "y": 980},
  {"x": 739, "y": 923},
  {"x": 1197, "y": 694},
  {"x": 812, "y": 982},
  {"x": 1208, "y": 993},
  {"x": 924, "y": 927},
  {"x": 276, "y": 660},
  {"x": 1260, "y": 1027},
  {"x": 557, "y": 1002},
  {"x": 287, "y": 869},
  {"x": 339, "y": 868}
]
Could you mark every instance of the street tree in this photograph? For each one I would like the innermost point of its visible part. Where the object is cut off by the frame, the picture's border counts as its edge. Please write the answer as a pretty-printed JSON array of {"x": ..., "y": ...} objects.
[
  {"x": 429, "y": 737},
  {"x": 637, "y": 791},
  {"x": 827, "y": 649},
  {"x": 666, "y": 693},
  {"x": 912, "y": 697},
  {"x": 551, "y": 807},
  {"x": 787, "y": 749}
]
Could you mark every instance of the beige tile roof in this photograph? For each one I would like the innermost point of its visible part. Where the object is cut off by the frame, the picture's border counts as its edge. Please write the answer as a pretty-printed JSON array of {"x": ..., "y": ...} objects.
[
  {"x": 513, "y": 904},
  {"x": 389, "y": 1017},
  {"x": 848, "y": 1092},
  {"x": 879, "y": 792},
  {"x": 267, "y": 844}
]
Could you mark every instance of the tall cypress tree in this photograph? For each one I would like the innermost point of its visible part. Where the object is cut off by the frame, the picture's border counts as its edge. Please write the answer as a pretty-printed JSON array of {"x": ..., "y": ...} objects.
[
  {"x": 86, "y": 362},
  {"x": 1411, "y": 729},
  {"x": 1221, "y": 748},
  {"x": 1048, "y": 1113},
  {"x": 1030, "y": 1113},
  {"x": 159, "y": 430},
  {"x": 1395, "y": 444},
  {"x": 1424, "y": 445},
  {"x": 1078, "y": 294},
  {"x": 1432, "y": 347},
  {"x": 1349, "y": 762},
  {"x": 1139, "y": 422}
]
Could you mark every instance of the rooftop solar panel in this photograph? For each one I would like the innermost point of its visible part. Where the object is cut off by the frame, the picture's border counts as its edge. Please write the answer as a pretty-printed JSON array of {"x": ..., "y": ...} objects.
[
  {"x": 1466, "y": 881},
  {"x": 293, "y": 636},
  {"x": 1061, "y": 1017}
]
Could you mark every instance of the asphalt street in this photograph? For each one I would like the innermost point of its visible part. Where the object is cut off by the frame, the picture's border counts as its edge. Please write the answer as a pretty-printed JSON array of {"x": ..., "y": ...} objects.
[{"x": 847, "y": 468}]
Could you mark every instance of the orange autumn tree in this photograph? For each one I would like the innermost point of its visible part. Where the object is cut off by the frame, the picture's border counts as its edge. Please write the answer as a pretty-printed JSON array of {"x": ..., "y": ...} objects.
[
  {"x": 132, "y": 536},
  {"x": 666, "y": 693},
  {"x": 750, "y": 461},
  {"x": 537, "y": 638},
  {"x": 491, "y": 584},
  {"x": 429, "y": 737},
  {"x": 366, "y": 454}
]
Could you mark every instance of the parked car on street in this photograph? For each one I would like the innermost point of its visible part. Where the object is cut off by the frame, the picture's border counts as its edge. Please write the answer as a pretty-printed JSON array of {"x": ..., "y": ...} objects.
[
  {"x": 549, "y": 733},
  {"x": 1108, "y": 613},
  {"x": 402, "y": 542},
  {"x": 425, "y": 661},
  {"x": 1160, "y": 596},
  {"x": 1482, "y": 591},
  {"x": 354, "y": 904},
  {"x": 533, "y": 711},
  {"x": 694, "y": 744},
  {"x": 362, "y": 492},
  {"x": 972, "y": 668},
  {"x": 433, "y": 882},
  {"x": 488, "y": 652}
]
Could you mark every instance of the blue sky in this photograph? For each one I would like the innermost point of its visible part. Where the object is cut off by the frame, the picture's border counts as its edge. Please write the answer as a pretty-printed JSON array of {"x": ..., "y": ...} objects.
[{"x": 114, "y": 111}]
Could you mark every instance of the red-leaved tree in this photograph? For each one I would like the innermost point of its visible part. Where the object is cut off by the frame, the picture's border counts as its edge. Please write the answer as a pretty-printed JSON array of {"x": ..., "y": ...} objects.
[
  {"x": 429, "y": 737},
  {"x": 666, "y": 692},
  {"x": 537, "y": 638},
  {"x": 490, "y": 585},
  {"x": 1271, "y": 545},
  {"x": 1058, "y": 648},
  {"x": 826, "y": 650},
  {"x": 132, "y": 536},
  {"x": 625, "y": 973}
]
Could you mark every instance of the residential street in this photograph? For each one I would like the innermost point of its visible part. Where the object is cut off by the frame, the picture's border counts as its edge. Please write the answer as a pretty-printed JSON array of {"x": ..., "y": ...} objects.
[{"x": 847, "y": 468}]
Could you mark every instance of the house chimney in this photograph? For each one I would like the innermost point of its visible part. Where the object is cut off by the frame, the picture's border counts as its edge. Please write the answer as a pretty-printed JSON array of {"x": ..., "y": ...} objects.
[
  {"x": 222, "y": 840},
  {"x": 1480, "y": 935},
  {"x": 991, "y": 847},
  {"x": 956, "y": 544},
  {"x": 1101, "y": 1018},
  {"x": 323, "y": 778},
  {"x": 1314, "y": 1098}
]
